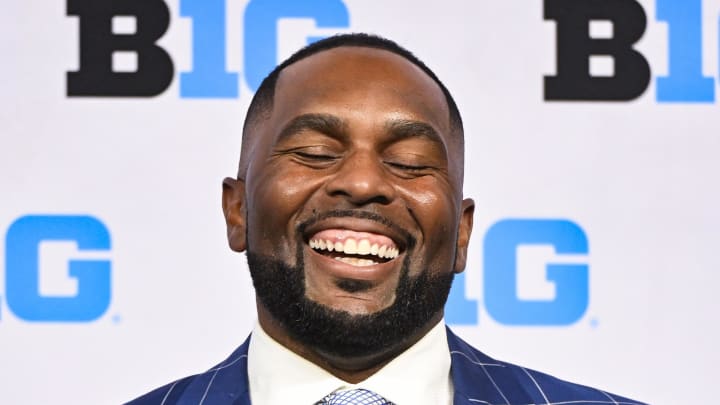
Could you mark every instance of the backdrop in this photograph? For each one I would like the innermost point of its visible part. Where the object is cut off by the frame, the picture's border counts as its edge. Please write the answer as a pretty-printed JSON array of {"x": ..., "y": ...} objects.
[{"x": 592, "y": 154}]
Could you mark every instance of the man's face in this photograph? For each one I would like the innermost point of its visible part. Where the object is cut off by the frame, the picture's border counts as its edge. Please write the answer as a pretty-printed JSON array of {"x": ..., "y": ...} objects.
[{"x": 356, "y": 176}]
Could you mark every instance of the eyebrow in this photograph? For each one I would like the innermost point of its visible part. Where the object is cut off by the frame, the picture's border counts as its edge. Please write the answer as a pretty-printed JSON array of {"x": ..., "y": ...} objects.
[
  {"x": 323, "y": 123},
  {"x": 396, "y": 129},
  {"x": 403, "y": 129}
]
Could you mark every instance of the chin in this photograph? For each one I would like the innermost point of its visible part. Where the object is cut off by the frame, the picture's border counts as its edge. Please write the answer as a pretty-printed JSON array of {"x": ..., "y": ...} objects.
[{"x": 348, "y": 329}]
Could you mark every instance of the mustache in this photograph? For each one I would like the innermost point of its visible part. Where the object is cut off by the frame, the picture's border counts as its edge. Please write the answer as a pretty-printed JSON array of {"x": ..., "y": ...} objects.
[{"x": 368, "y": 215}]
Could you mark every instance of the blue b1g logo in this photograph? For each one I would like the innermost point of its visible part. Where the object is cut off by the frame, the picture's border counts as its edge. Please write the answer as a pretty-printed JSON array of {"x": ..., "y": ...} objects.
[
  {"x": 22, "y": 269},
  {"x": 500, "y": 276}
]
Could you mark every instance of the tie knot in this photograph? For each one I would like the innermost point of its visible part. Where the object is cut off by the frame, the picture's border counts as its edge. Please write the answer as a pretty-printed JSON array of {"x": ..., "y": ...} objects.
[{"x": 354, "y": 397}]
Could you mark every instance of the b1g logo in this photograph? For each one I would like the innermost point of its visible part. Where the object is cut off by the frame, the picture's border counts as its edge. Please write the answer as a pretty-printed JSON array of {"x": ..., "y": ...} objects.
[
  {"x": 506, "y": 247},
  {"x": 620, "y": 24},
  {"x": 26, "y": 238},
  {"x": 104, "y": 38}
]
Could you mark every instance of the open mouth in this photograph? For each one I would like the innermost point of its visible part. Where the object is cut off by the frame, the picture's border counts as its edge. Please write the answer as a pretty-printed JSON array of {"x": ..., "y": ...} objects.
[{"x": 354, "y": 248}]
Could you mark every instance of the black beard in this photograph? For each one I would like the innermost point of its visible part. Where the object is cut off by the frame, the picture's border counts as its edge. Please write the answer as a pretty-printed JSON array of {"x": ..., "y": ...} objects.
[{"x": 281, "y": 289}]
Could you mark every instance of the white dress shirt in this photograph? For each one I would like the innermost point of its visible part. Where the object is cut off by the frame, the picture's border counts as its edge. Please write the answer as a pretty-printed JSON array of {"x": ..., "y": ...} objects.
[{"x": 418, "y": 376}]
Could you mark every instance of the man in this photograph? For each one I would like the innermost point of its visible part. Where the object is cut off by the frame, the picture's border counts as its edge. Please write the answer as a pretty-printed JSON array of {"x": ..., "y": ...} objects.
[{"x": 348, "y": 202}]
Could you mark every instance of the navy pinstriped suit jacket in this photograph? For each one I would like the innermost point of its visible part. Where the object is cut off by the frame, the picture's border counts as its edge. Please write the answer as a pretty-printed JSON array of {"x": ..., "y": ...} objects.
[{"x": 477, "y": 380}]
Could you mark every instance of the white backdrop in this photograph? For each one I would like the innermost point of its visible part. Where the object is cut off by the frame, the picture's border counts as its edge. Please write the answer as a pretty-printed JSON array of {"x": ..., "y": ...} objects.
[{"x": 638, "y": 177}]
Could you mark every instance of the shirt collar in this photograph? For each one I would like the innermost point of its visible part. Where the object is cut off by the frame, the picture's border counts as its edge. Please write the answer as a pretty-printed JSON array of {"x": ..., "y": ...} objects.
[{"x": 279, "y": 376}]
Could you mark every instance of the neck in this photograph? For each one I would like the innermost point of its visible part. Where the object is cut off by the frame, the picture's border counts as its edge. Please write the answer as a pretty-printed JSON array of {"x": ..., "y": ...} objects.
[{"x": 352, "y": 370}]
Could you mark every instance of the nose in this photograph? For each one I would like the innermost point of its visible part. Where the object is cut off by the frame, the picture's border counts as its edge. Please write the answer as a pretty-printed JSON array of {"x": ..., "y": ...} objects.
[{"x": 361, "y": 179}]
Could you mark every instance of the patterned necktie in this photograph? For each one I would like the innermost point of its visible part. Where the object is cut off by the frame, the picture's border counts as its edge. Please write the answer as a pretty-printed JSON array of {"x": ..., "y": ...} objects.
[{"x": 354, "y": 397}]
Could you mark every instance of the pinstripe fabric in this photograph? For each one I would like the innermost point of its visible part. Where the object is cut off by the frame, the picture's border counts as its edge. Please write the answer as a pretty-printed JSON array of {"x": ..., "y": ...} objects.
[{"x": 477, "y": 380}]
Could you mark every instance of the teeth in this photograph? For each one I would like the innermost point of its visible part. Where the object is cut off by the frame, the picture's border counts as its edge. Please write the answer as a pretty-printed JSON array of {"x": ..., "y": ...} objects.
[
  {"x": 363, "y": 247},
  {"x": 355, "y": 261},
  {"x": 352, "y": 247}
]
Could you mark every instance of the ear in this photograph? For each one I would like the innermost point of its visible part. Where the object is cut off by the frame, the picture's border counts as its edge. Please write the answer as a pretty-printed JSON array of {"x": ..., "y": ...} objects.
[
  {"x": 233, "y": 204},
  {"x": 464, "y": 231}
]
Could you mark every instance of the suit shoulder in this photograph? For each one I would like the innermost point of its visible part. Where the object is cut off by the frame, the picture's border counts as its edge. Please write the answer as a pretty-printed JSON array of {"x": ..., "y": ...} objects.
[
  {"x": 562, "y": 391},
  {"x": 497, "y": 382}
]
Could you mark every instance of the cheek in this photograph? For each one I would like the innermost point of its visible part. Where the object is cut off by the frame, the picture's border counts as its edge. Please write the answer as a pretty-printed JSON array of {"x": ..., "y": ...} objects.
[
  {"x": 436, "y": 212},
  {"x": 279, "y": 196}
]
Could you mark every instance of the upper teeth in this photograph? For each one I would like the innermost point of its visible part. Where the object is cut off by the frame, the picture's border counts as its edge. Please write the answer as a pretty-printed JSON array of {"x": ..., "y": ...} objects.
[{"x": 352, "y": 246}]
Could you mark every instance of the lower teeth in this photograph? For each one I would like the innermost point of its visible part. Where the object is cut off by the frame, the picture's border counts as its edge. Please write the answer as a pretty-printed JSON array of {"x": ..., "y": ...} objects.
[{"x": 355, "y": 261}]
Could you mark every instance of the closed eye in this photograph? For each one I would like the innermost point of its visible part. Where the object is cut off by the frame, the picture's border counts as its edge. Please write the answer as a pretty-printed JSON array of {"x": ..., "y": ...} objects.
[
  {"x": 413, "y": 169},
  {"x": 317, "y": 158},
  {"x": 314, "y": 156}
]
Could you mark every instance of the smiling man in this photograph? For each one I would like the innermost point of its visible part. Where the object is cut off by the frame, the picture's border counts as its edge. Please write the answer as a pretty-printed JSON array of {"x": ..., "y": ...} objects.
[{"x": 348, "y": 202}]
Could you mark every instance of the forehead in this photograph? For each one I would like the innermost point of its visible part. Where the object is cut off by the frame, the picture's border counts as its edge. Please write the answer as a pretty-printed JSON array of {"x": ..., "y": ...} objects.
[{"x": 360, "y": 82}]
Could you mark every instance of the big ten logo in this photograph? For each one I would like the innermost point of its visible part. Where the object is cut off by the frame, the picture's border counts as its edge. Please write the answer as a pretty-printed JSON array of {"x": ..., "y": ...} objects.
[
  {"x": 535, "y": 272},
  {"x": 57, "y": 268},
  {"x": 119, "y": 54},
  {"x": 596, "y": 59}
]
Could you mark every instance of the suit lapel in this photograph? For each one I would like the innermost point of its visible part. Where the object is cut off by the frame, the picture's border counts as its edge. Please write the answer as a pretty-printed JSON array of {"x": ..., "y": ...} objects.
[
  {"x": 477, "y": 378},
  {"x": 224, "y": 384},
  {"x": 464, "y": 375}
]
